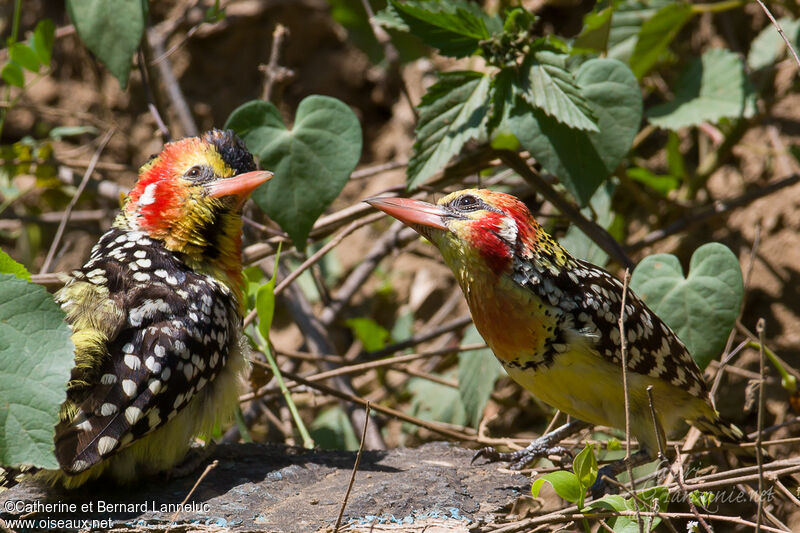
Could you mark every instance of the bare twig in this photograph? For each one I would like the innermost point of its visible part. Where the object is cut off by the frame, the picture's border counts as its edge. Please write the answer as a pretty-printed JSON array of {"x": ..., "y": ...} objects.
[
  {"x": 155, "y": 39},
  {"x": 273, "y": 72},
  {"x": 355, "y": 469},
  {"x": 68, "y": 211},
  {"x": 207, "y": 470},
  {"x": 760, "y": 422},
  {"x": 153, "y": 103},
  {"x": 780, "y": 32}
]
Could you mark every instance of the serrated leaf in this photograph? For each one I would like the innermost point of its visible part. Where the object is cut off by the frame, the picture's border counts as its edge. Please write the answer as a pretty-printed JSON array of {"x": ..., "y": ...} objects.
[
  {"x": 24, "y": 56},
  {"x": 565, "y": 484},
  {"x": 452, "y": 112},
  {"x": 582, "y": 160},
  {"x": 42, "y": 41},
  {"x": 36, "y": 356},
  {"x": 596, "y": 30},
  {"x": 626, "y": 23},
  {"x": 711, "y": 88},
  {"x": 12, "y": 75},
  {"x": 454, "y": 27},
  {"x": 702, "y": 307},
  {"x": 371, "y": 334},
  {"x": 9, "y": 266},
  {"x": 768, "y": 46},
  {"x": 549, "y": 86},
  {"x": 111, "y": 29},
  {"x": 656, "y": 35},
  {"x": 477, "y": 372},
  {"x": 311, "y": 162}
]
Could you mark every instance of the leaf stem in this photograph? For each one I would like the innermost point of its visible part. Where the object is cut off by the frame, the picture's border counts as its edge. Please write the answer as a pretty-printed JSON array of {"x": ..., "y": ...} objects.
[{"x": 265, "y": 346}]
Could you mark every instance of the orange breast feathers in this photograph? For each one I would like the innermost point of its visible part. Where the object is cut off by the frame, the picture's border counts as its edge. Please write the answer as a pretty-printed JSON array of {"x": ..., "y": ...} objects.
[{"x": 511, "y": 320}]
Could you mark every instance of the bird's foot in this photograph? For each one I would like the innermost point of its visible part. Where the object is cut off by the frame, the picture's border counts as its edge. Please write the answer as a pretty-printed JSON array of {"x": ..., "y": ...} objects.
[
  {"x": 518, "y": 459},
  {"x": 544, "y": 446}
]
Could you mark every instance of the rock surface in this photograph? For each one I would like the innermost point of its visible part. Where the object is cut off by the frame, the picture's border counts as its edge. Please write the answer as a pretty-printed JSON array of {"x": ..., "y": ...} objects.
[{"x": 275, "y": 488}]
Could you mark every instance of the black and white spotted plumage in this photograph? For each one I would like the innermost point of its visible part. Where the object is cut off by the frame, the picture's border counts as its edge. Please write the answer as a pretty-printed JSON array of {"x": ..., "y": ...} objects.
[{"x": 172, "y": 333}]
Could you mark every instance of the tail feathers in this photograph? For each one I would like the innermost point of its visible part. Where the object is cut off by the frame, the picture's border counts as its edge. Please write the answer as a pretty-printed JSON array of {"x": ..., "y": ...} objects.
[{"x": 720, "y": 429}]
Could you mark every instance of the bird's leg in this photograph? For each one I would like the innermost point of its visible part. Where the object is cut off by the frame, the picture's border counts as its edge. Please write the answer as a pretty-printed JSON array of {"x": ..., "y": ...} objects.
[
  {"x": 612, "y": 470},
  {"x": 545, "y": 445}
]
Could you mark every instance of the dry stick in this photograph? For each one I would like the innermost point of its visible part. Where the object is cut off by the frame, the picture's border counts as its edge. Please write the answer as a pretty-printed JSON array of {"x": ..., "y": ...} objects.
[
  {"x": 381, "y": 409},
  {"x": 377, "y": 169},
  {"x": 68, "y": 211},
  {"x": 150, "y": 95},
  {"x": 780, "y": 31},
  {"x": 174, "y": 93},
  {"x": 760, "y": 422},
  {"x": 717, "y": 207},
  {"x": 316, "y": 256},
  {"x": 623, "y": 348},
  {"x": 273, "y": 72},
  {"x": 355, "y": 469},
  {"x": 208, "y": 469},
  {"x": 595, "y": 232},
  {"x": 679, "y": 481},
  {"x": 361, "y": 367}
]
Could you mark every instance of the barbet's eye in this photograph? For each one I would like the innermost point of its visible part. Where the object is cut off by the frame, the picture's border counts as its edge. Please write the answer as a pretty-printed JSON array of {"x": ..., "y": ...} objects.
[
  {"x": 466, "y": 203},
  {"x": 193, "y": 172}
]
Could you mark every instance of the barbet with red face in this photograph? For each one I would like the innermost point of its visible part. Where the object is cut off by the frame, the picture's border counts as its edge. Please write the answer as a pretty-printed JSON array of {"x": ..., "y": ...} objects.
[
  {"x": 551, "y": 320},
  {"x": 156, "y": 316}
]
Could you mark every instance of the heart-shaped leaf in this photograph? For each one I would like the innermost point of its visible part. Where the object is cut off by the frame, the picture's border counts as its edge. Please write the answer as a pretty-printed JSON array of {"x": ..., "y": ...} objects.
[
  {"x": 701, "y": 307},
  {"x": 312, "y": 161}
]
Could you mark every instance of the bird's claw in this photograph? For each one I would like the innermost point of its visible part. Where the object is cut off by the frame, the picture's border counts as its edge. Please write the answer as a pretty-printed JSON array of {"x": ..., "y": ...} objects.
[{"x": 519, "y": 459}]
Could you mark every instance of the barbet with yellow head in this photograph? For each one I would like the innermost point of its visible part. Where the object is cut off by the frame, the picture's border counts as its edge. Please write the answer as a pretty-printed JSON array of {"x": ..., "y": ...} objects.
[
  {"x": 552, "y": 321},
  {"x": 156, "y": 316}
]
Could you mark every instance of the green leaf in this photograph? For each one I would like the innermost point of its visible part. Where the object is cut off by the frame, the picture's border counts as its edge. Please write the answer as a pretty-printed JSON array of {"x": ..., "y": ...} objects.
[
  {"x": 312, "y": 162},
  {"x": 9, "y": 266},
  {"x": 371, "y": 334},
  {"x": 662, "y": 184},
  {"x": 656, "y": 34},
  {"x": 265, "y": 300},
  {"x": 477, "y": 372},
  {"x": 455, "y": 27},
  {"x": 549, "y": 86},
  {"x": 702, "y": 307},
  {"x": 768, "y": 46},
  {"x": 42, "y": 41},
  {"x": 12, "y": 75},
  {"x": 24, "y": 56},
  {"x": 436, "y": 402},
  {"x": 701, "y": 499},
  {"x": 596, "y": 31},
  {"x": 711, "y": 88},
  {"x": 585, "y": 467},
  {"x": 626, "y": 23},
  {"x": 59, "y": 132},
  {"x": 582, "y": 160},
  {"x": 565, "y": 484},
  {"x": 111, "y": 29},
  {"x": 36, "y": 356},
  {"x": 331, "y": 430},
  {"x": 577, "y": 242},
  {"x": 452, "y": 112}
]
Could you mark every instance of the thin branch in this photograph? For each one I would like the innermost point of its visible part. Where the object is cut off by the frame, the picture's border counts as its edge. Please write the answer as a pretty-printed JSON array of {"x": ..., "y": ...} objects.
[
  {"x": 760, "y": 423},
  {"x": 355, "y": 469},
  {"x": 780, "y": 32},
  {"x": 68, "y": 211},
  {"x": 275, "y": 74}
]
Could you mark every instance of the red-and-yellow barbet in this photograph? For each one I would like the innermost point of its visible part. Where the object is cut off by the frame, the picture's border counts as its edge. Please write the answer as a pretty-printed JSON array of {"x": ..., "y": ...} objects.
[
  {"x": 156, "y": 316},
  {"x": 552, "y": 321}
]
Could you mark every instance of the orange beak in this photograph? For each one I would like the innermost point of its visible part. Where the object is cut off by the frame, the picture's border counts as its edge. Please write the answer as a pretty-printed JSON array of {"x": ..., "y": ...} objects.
[
  {"x": 242, "y": 185},
  {"x": 411, "y": 212}
]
